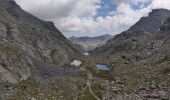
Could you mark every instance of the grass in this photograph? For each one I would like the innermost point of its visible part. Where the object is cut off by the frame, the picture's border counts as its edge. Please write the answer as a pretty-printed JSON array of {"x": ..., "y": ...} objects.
[
  {"x": 103, "y": 74},
  {"x": 135, "y": 76},
  {"x": 59, "y": 89},
  {"x": 32, "y": 89},
  {"x": 132, "y": 84},
  {"x": 6, "y": 49},
  {"x": 54, "y": 53},
  {"x": 119, "y": 61},
  {"x": 158, "y": 60},
  {"x": 96, "y": 90}
]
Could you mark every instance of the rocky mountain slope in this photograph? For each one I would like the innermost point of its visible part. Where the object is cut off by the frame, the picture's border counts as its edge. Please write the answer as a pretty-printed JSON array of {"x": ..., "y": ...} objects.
[
  {"x": 90, "y": 43},
  {"x": 143, "y": 39},
  {"x": 25, "y": 39},
  {"x": 140, "y": 60},
  {"x": 32, "y": 52}
]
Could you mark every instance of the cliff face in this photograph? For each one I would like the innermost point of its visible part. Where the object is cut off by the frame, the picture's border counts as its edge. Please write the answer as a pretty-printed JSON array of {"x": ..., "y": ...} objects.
[
  {"x": 145, "y": 39},
  {"x": 24, "y": 38}
]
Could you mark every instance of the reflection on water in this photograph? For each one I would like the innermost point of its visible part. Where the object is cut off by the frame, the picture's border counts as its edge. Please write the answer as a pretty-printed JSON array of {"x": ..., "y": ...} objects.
[{"x": 102, "y": 67}]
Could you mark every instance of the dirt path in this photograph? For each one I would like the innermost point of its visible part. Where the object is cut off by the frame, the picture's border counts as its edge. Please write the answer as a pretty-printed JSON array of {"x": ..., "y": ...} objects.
[
  {"x": 90, "y": 77},
  {"x": 88, "y": 86}
]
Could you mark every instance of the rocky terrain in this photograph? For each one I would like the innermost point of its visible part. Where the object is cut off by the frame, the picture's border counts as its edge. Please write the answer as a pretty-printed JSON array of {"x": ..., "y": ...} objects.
[
  {"x": 35, "y": 60},
  {"x": 30, "y": 48},
  {"x": 140, "y": 58},
  {"x": 90, "y": 43},
  {"x": 144, "y": 37}
]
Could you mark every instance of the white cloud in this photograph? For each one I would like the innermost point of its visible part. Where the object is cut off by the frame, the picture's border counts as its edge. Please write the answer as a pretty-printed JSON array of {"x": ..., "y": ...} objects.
[
  {"x": 70, "y": 16},
  {"x": 115, "y": 23},
  {"x": 47, "y": 9},
  {"x": 75, "y": 17},
  {"x": 160, "y": 4},
  {"x": 122, "y": 19}
]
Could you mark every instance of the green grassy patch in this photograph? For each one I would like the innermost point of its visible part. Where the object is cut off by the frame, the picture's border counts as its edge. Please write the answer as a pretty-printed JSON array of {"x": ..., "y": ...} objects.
[{"x": 6, "y": 49}]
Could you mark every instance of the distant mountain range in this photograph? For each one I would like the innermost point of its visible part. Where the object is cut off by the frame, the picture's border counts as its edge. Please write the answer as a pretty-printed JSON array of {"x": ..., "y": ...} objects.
[{"x": 90, "y": 43}]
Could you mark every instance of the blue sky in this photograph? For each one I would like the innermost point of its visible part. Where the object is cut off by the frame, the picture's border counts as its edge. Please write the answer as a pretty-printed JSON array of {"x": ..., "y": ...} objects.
[
  {"x": 139, "y": 4},
  {"x": 92, "y": 17},
  {"x": 107, "y": 6}
]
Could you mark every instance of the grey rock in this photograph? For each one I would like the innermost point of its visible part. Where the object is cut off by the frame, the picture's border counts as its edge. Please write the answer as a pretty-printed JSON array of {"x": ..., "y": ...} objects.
[{"x": 32, "y": 98}]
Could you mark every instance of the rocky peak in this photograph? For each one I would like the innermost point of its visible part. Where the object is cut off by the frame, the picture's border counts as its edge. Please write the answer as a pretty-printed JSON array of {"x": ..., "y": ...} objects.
[
  {"x": 21, "y": 16},
  {"x": 8, "y": 3},
  {"x": 158, "y": 12},
  {"x": 153, "y": 22},
  {"x": 146, "y": 35}
]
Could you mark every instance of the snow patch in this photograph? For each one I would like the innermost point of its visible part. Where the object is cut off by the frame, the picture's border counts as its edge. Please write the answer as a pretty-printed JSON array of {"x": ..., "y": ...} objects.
[
  {"x": 76, "y": 63},
  {"x": 86, "y": 54}
]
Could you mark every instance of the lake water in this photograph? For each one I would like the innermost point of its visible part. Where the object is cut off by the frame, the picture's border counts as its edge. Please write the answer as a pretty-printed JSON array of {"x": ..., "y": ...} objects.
[{"x": 102, "y": 67}]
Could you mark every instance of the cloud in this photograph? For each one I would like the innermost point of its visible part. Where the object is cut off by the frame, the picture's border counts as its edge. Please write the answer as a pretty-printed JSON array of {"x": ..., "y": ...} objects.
[
  {"x": 121, "y": 19},
  {"x": 77, "y": 17},
  {"x": 48, "y": 9},
  {"x": 70, "y": 16},
  {"x": 160, "y": 4},
  {"x": 129, "y": 1}
]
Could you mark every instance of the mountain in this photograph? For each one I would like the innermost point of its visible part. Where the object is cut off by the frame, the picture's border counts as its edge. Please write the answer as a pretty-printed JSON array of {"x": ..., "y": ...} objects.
[
  {"x": 90, "y": 43},
  {"x": 142, "y": 38},
  {"x": 33, "y": 54},
  {"x": 139, "y": 58},
  {"x": 152, "y": 23},
  {"x": 25, "y": 39},
  {"x": 35, "y": 60}
]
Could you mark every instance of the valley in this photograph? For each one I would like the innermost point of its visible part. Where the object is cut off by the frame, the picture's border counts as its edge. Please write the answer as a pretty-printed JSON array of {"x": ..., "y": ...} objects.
[
  {"x": 38, "y": 63},
  {"x": 90, "y": 43}
]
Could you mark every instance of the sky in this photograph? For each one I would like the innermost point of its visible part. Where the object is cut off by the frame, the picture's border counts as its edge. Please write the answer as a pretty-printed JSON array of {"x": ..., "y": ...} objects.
[{"x": 92, "y": 17}]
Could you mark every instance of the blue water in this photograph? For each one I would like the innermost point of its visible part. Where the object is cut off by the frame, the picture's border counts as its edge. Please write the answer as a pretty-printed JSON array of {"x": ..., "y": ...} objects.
[{"x": 102, "y": 67}]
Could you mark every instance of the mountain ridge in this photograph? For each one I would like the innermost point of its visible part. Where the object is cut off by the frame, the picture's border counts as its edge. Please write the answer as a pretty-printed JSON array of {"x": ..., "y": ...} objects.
[
  {"x": 140, "y": 57},
  {"x": 35, "y": 60},
  {"x": 137, "y": 33},
  {"x": 90, "y": 43},
  {"x": 152, "y": 23}
]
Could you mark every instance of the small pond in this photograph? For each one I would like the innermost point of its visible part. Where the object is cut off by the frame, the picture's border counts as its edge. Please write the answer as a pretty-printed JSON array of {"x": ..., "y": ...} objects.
[{"x": 102, "y": 67}]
